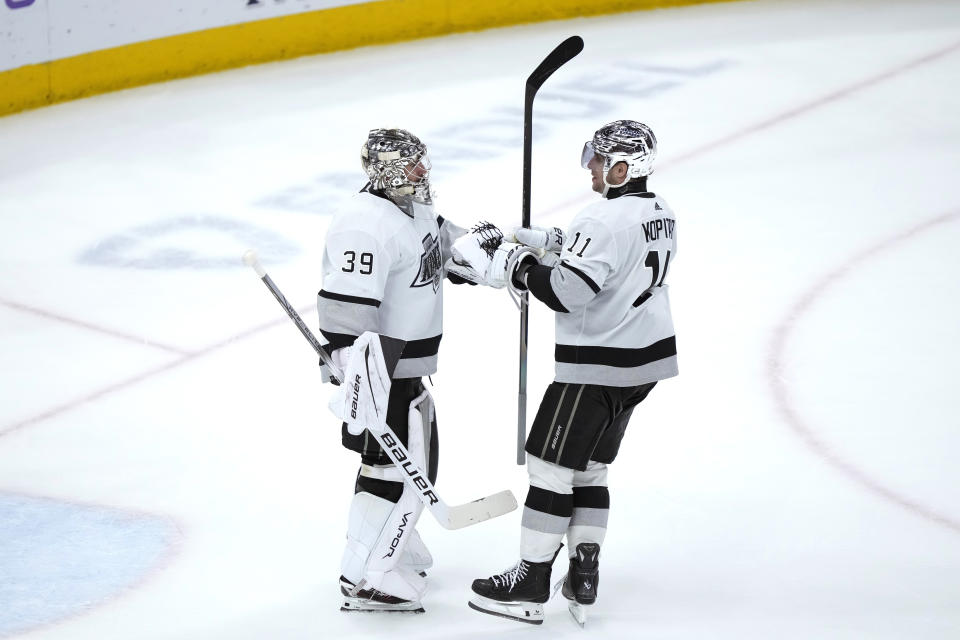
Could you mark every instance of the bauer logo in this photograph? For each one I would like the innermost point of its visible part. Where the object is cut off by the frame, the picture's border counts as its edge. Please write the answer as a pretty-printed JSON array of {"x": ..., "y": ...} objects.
[
  {"x": 356, "y": 397},
  {"x": 19, "y": 4},
  {"x": 556, "y": 437}
]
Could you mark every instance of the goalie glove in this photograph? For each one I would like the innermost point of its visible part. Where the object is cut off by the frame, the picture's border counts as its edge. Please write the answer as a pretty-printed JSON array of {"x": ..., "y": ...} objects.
[
  {"x": 546, "y": 238},
  {"x": 340, "y": 358},
  {"x": 361, "y": 401},
  {"x": 473, "y": 253}
]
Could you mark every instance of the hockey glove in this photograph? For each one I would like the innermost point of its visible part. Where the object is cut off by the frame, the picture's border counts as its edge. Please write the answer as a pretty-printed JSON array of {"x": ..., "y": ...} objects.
[
  {"x": 546, "y": 238},
  {"x": 473, "y": 252},
  {"x": 507, "y": 262}
]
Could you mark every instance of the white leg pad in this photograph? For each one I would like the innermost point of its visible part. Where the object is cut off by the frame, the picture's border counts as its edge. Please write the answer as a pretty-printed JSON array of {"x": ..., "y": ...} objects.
[
  {"x": 416, "y": 556},
  {"x": 383, "y": 571},
  {"x": 368, "y": 514}
]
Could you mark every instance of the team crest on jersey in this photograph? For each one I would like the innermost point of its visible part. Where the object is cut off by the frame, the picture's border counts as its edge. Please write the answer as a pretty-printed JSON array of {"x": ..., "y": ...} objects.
[{"x": 431, "y": 272}]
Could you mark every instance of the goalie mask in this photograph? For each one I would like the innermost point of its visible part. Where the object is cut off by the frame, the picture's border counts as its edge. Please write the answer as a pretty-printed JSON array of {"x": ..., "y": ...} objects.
[
  {"x": 396, "y": 163},
  {"x": 626, "y": 141}
]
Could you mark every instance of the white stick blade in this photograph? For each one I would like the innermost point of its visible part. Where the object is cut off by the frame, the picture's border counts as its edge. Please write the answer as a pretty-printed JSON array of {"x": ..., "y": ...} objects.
[{"x": 486, "y": 508}]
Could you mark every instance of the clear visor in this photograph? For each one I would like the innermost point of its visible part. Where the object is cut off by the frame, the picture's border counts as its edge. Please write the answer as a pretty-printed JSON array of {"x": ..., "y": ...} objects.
[{"x": 587, "y": 154}]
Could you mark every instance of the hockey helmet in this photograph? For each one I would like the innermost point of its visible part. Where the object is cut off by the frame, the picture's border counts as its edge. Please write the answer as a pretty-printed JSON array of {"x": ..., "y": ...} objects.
[
  {"x": 622, "y": 141},
  {"x": 396, "y": 163}
]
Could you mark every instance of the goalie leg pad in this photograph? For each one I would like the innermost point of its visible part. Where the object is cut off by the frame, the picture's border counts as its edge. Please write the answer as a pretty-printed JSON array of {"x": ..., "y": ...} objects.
[
  {"x": 368, "y": 514},
  {"x": 384, "y": 571},
  {"x": 416, "y": 556}
]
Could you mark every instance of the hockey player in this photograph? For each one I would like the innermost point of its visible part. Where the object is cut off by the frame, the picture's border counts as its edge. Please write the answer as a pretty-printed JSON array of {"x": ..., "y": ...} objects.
[
  {"x": 614, "y": 342},
  {"x": 382, "y": 273}
]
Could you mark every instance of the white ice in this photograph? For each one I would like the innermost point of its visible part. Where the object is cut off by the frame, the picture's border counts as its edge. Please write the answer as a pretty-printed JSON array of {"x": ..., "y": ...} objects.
[{"x": 167, "y": 465}]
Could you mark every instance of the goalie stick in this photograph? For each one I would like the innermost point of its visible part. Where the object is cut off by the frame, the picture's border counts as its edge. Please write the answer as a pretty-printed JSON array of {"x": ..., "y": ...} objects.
[
  {"x": 449, "y": 516},
  {"x": 564, "y": 53}
]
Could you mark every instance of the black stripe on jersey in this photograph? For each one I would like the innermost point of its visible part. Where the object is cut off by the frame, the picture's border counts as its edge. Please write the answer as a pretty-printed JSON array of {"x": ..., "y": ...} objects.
[
  {"x": 538, "y": 281},
  {"x": 440, "y": 221},
  {"x": 591, "y": 497},
  {"x": 556, "y": 504},
  {"x": 616, "y": 356},
  {"x": 341, "y": 297},
  {"x": 338, "y": 340},
  {"x": 421, "y": 348},
  {"x": 590, "y": 283}
]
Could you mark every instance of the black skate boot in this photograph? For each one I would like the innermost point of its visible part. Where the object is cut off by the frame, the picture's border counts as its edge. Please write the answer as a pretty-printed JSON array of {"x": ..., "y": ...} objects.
[
  {"x": 580, "y": 585},
  {"x": 584, "y": 574},
  {"x": 517, "y": 594},
  {"x": 366, "y": 599}
]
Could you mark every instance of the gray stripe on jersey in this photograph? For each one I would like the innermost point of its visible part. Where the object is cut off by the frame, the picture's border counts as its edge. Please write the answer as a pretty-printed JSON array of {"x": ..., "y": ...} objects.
[
  {"x": 543, "y": 522},
  {"x": 337, "y": 316},
  {"x": 616, "y": 376},
  {"x": 573, "y": 413},
  {"x": 589, "y": 517},
  {"x": 553, "y": 423},
  {"x": 416, "y": 367},
  {"x": 582, "y": 276},
  {"x": 571, "y": 289}
]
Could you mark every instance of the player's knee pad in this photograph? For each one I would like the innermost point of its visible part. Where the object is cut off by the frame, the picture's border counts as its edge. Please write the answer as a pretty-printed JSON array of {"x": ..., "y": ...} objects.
[{"x": 549, "y": 476}]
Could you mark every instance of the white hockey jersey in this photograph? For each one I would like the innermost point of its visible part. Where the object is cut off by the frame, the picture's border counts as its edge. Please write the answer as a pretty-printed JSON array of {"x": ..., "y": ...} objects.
[
  {"x": 613, "y": 325},
  {"x": 383, "y": 272}
]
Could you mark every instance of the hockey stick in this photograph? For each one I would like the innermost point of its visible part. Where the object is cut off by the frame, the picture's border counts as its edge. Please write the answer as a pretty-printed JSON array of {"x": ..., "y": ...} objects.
[
  {"x": 564, "y": 53},
  {"x": 450, "y": 517}
]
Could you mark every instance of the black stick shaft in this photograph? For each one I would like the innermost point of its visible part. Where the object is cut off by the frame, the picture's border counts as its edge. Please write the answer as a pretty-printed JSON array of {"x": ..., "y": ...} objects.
[{"x": 563, "y": 53}]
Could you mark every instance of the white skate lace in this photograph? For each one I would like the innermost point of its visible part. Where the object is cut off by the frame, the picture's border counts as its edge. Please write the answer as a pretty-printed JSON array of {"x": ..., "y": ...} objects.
[{"x": 510, "y": 577}]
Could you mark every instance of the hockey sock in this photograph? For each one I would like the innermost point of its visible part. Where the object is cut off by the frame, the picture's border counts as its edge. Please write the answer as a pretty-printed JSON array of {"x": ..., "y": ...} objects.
[
  {"x": 546, "y": 518},
  {"x": 591, "y": 507}
]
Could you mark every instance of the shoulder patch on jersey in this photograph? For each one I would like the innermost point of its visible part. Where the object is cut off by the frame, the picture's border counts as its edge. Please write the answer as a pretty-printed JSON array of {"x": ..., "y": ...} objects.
[{"x": 430, "y": 272}]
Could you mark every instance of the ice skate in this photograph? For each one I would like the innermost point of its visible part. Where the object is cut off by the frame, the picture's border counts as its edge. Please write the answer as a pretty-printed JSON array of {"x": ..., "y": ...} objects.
[
  {"x": 372, "y": 600},
  {"x": 580, "y": 584},
  {"x": 517, "y": 594}
]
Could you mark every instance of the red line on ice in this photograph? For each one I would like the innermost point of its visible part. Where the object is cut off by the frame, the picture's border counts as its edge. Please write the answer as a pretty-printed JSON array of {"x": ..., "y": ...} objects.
[{"x": 781, "y": 392}]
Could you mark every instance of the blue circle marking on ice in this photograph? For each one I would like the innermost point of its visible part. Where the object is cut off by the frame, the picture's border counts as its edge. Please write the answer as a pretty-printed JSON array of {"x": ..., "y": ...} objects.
[
  {"x": 188, "y": 242},
  {"x": 59, "y": 559}
]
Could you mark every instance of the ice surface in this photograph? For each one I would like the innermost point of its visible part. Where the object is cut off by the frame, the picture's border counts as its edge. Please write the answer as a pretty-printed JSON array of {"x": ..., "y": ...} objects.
[{"x": 797, "y": 480}]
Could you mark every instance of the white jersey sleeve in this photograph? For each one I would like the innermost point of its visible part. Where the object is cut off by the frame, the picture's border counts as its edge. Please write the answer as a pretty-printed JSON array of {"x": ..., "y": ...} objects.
[
  {"x": 449, "y": 232},
  {"x": 587, "y": 258}
]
